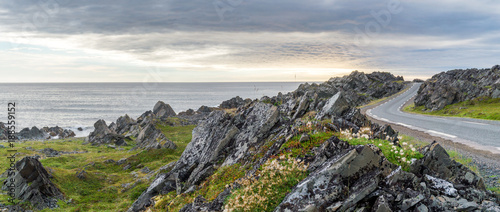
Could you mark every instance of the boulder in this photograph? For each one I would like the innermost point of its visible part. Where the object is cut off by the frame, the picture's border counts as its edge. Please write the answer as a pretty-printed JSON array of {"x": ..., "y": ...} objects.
[
  {"x": 334, "y": 107},
  {"x": 162, "y": 110},
  {"x": 32, "y": 184}
]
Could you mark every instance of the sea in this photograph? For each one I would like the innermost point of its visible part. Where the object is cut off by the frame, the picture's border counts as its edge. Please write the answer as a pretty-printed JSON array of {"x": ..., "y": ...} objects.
[{"x": 80, "y": 105}]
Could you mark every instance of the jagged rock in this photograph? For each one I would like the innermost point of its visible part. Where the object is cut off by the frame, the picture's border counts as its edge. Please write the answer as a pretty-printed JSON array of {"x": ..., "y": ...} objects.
[
  {"x": 219, "y": 137},
  {"x": 103, "y": 135},
  {"x": 152, "y": 138},
  {"x": 33, "y": 134},
  {"x": 58, "y": 132},
  {"x": 32, "y": 184},
  {"x": 334, "y": 107},
  {"x": 124, "y": 123},
  {"x": 436, "y": 162},
  {"x": 204, "y": 109},
  {"x": 458, "y": 85},
  {"x": 359, "y": 170},
  {"x": 162, "y": 110},
  {"x": 234, "y": 102}
]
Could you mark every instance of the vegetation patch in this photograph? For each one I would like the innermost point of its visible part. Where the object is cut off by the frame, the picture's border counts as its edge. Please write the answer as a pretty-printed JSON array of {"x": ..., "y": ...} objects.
[
  {"x": 209, "y": 189},
  {"x": 275, "y": 180},
  {"x": 480, "y": 108}
]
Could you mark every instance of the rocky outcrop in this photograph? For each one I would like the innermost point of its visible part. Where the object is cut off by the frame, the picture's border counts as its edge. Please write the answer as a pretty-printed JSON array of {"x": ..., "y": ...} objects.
[
  {"x": 152, "y": 138},
  {"x": 162, "y": 110},
  {"x": 457, "y": 86},
  {"x": 148, "y": 136},
  {"x": 103, "y": 135},
  {"x": 31, "y": 183},
  {"x": 352, "y": 178},
  {"x": 32, "y": 134},
  {"x": 38, "y": 134},
  {"x": 225, "y": 138},
  {"x": 58, "y": 132},
  {"x": 234, "y": 102}
]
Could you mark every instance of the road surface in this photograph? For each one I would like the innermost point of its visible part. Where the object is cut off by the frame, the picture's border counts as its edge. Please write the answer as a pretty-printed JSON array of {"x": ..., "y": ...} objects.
[{"x": 480, "y": 134}]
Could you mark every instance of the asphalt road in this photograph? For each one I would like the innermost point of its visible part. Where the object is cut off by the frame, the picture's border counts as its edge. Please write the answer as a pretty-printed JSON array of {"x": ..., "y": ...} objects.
[{"x": 480, "y": 134}]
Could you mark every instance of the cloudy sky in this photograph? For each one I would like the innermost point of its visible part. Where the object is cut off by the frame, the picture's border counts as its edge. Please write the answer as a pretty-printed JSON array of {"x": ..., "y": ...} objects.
[{"x": 242, "y": 40}]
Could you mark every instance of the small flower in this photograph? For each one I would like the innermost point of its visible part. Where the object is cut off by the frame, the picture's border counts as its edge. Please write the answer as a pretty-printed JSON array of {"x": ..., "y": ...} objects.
[
  {"x": 404, "y": 143},
  {"x": 413, "y": 149}
]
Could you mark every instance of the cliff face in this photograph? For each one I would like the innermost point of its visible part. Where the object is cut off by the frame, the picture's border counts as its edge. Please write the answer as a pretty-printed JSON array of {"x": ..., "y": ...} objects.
[{"x": 458, "y": 85}]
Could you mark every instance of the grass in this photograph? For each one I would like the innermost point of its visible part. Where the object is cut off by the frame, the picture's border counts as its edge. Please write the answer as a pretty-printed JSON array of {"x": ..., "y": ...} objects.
[
  {"x": 275, "y": 180},
  {"x": 209, "y": 189},
  {"x": 479, "y": 108},
  {"x": 466, "y": 161},
  {"x": 295, "y": 148},
  {"x": 102, "y": 189}
]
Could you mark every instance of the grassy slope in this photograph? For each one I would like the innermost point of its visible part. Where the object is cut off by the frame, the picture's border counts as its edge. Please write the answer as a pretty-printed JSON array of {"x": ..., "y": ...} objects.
[
  {"x": 480, "y": 108},
  {"x": 101, "y": 190}
]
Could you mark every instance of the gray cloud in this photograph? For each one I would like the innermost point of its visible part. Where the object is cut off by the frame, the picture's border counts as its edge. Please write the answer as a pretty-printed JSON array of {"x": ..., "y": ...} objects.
[{"x": 425, "y": 35}]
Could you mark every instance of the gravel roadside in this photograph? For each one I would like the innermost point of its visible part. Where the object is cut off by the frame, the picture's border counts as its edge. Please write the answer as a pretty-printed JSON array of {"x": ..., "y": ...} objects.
[{"x": 488, "y": 163}]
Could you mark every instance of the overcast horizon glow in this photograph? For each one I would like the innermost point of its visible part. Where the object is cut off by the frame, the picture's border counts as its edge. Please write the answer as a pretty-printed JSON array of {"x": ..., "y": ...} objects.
[{"x": 241, "y": 40}]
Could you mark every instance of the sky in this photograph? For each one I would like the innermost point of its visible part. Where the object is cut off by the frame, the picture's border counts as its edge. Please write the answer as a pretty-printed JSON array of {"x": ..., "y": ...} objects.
[{"x": 242, "y": 40}]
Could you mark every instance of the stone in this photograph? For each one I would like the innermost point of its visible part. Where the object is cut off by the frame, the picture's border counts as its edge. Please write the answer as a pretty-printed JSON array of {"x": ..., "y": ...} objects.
[
  {"x": 33, "y": 185},
  {"x": 464, "y": 205},
  {"x": 234, "y": 102},
  {"x": 162, "y": 110},
  {"x": 32, "y": 134}
]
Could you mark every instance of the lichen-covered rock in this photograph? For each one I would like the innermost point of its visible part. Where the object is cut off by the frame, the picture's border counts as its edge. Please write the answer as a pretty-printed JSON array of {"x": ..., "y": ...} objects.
[{"x": 32, "y": 184}]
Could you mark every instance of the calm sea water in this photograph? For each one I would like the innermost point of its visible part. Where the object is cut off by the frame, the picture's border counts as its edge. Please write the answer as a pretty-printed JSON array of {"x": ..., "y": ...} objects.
[{"x": 73, "y": 105}]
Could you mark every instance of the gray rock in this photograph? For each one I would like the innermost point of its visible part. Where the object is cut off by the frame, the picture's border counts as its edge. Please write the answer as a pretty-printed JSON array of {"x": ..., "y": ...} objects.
[
  {"x": 162, "y": 110},
  {"x": 103, "y": 135},
  {"x": 32, "y": 184},
  {"x": 145, "y": 170},
  {"x": 32, "y": 134},
  {"x": 152, "y": 138},
  {"x": 464, "y": 205},
  {"x": 234, "y": 102},
  {"x": 328, "y": 183}
]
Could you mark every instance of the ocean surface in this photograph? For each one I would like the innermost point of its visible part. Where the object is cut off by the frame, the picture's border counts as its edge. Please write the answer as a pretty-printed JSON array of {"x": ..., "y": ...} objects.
[{"x": 73, "y": 105}]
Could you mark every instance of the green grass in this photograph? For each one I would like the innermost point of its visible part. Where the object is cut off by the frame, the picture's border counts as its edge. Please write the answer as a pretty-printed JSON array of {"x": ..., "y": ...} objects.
[
  {"x": 466, "y": 161},
  {"x": 479, "y": 108},
  {"x": 209, "y": 189},
  {"x": 276, "y": 179},
  {"x": 295, "y": 148},
  {"x": 101, "y": 190}
]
